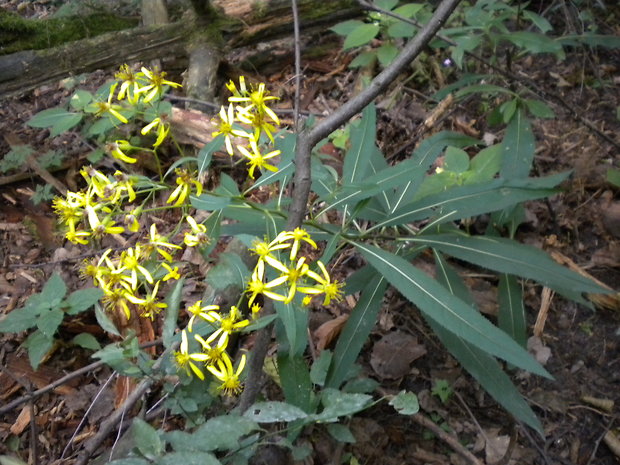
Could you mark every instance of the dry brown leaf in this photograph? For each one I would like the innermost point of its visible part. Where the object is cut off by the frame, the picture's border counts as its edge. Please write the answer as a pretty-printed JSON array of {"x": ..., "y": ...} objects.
[
  {"x": 329, "y": 331},
  {"x": 496, "y": 445},
  {"x": 393, "y": 353},
  {"x": 23, "y": 420}
]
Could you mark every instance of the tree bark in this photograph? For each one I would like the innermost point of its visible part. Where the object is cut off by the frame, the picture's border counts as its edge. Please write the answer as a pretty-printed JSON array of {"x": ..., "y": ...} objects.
[{"x": 243, "y": 23}]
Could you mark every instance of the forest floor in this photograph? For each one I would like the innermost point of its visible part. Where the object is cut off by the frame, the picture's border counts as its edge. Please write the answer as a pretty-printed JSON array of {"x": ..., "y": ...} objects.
[{"x": 580, "y": 347}]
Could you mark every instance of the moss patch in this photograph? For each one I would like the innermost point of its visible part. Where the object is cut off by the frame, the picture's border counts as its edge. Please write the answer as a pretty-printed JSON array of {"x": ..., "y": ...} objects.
[{"x": 17, "y": 33}]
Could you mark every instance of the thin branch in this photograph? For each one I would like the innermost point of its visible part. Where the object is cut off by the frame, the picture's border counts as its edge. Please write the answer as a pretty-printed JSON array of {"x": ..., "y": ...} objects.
[
  {"x": 309, "y": 138},
  {"x": 297, "y": 61}
]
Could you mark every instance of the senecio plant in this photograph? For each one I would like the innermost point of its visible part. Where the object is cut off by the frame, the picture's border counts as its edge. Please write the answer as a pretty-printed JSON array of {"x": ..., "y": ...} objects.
[
  {"x": 131, "y": 279},
  {"x": 389, "y": 216}
]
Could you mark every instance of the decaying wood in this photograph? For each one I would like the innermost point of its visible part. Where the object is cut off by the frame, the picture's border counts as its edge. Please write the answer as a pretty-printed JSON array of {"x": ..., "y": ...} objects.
[{"x": 251, "y": 22}]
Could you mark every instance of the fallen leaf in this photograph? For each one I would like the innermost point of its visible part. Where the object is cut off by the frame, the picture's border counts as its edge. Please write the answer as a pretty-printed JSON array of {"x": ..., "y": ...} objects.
[
  {"x": 393, "y": 353},
  {"x": 23, "y": 419},
  {"x": 329, "y": 331}
]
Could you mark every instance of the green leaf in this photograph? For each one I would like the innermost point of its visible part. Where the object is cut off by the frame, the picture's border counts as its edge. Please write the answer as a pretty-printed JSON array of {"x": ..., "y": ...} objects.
[
  {"x": 294, "y": 322},
  {"x": 467, "y": 201},
  {"x": 409, "y": 10},
  {"x": 81, "y": 300},
  {"x": 447, "y": 310},
  {"x": 319, "y": 368},
  {"x": 20, "y": 319},
  {"x": 405, "y": 403},
  {"x": 340, "y": 433},
  {"x": 356, "y": 331},
  {"x": 223, "y": 432},
  {"x": 592, "y": 40},
  {"x": 80, "y": 99},
  {"x": 146, "y": 439},
  {"x": 511, "y": 316},
  {"x": 363, "y": 143},
  {"x": 364, "y": 59},
  {"x": 340, "y": 404},
  {"x": 613, "y": 176},
  {"x": 10, "y": 460},
  {"x": 58, "y": 119},
  {"x": 116, "y": 357},
  {"x": 104, "y": 321},
  {"x": 456, "y": 160},
  {"x": 206, "y": 154},
  {"x": 295, "y": 379},
  {"x": 54, "y": 291},
  {"x": 485, "y": 164},
  {"x": 386, "y": 53},
  {"x": 401, "y": 30},
  {"x": 86, "y": 340},
  {"x": 533, "y": 42},
  {"x": 229, "y": 271},
  {"x": 541, "y": 23},
  {"x": 425, "y": 155},
  {"x": 346, "y": 27},
  {"x": 482, "y": 89},
  {"x": 518, "y": 147},
  {"x": 539, "y": 109},
  {"x": 508, "y": 256},
  {"x": 480, "y": 365},
  {"x": 188, "y": 458},
  {"x": 361, "y": 35},
  {"x": 386, "y": 4},
  {"x": 49, "y": 320},
  {"x": 173, "y": 300},
  {"x": 38, "y": 345},
  {"x": 274, "y": 412},
  {"x": 129, "y": 461}
]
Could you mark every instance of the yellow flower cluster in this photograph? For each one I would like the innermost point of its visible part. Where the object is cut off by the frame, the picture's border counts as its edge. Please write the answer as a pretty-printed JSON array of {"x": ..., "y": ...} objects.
[
  {"x": 137, "y": 89},
  {"x": 253, "y": 112},
  {"x": 125, "y": 278},
  {"x": 90, "y": 214},
  {"x": 293, "y": 275},
  {"x": 213, "y": 356}
]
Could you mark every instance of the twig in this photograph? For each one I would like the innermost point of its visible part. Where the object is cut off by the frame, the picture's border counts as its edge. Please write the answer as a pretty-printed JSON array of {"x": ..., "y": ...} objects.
[
  {"x": 65, "y": 379},
  {"x": 93, "y": 443},
  {"x": 450, "y": 440},
  {"x": 525, "y": 82}
]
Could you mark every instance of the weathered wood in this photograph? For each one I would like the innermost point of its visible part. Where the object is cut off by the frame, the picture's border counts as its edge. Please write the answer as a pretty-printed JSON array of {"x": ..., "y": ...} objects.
[{"x": 249, "y": 22}]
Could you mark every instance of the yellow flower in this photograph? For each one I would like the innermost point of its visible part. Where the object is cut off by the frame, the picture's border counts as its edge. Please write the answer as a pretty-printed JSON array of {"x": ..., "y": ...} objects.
[
  {"x": 173, "y": 273},
  {"x": 198, "y": 311},
  {"x": 77, "y": 237},
  {"x": 130, "y": 259},
  {"x": 116, "y": 298},
  {"x": 231, "y": 385},
  {"x": 256, "y": 159},
  {"x": 124, "y": 183},
  {"x": 226, "y": 129},
  {"x": 184, "y": 359},
  {"x": 258, "y": 121},
  {"x": 149, "y": 304},
  {"x": 257, "y": 99},
  {"x": 156, "y": 82},
  {"x": 297, "y": 235},
  {"x": 100, "y": 108},
  {"x": 185, "y": 181},
  {"x": 263, "y": 250},
  {"x": 228, "y": 325},
  {"x": 324, "y": 285},
  {"x": 213, "y": 353},
  {"x": 117, "y": 148},
  {"x": 70, "y": 209},
  {"x": 242, "y": 92},
  {"x": 129, "y": 84},
  {"x": 101, "y": 227},
  {"x": 163, "y": 129},
  {"x": 198, "y": 236},
  {"x": 256, "y": 286},
  {"x": 159, "y": 243}
]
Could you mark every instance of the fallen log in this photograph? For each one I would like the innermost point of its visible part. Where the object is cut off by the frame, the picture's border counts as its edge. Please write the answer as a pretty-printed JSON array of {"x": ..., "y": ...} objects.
[{"x": 243, "y": 23}]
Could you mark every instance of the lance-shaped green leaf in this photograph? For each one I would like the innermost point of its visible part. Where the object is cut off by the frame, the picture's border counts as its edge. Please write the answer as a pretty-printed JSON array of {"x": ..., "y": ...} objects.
[
  {"x": 508, "y": 256},
  {"x": 447, "y": 310},
  {"x": 511, "y": 316},
  {"x": 480, "y": 365},
  {"x": 388, "y": 178},
  {"x": 518, "y": 147},
  {"x": 356, "y": 331},
  {"x": 467, "y": 201},
  {"x": 424, "y": 156},
  {"x": 363, "y": 143}
]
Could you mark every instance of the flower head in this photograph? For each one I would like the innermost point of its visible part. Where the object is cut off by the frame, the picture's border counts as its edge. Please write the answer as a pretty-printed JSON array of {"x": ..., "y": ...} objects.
[
  {"x": 224, "y": 371},
  {"x": 185, "y": 180}
]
